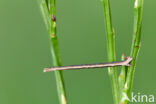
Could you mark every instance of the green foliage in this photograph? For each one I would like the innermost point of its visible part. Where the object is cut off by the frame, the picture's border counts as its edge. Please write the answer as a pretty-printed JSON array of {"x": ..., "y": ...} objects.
[
  {"x": 48, "y": 10},
  {"x": 121, "y": 87}
]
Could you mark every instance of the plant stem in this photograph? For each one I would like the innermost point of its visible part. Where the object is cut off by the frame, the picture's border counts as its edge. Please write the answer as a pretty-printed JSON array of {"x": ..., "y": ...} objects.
[
  {"x": 46, "y": 15},
  {"x": 110, "y": 37},
  {"x": 56, "y": 56},
  {"x": 138, "y": 8},
  {"x": 122, "y": 76},
  {"x": 48, "y": 9}
]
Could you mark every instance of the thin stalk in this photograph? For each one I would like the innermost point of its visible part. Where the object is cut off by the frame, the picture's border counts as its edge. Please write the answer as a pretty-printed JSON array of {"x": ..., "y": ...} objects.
[
  {"x": 110, "y": 37},
  {"x": 56, "y": 56},
  {"x": 48, "y": 9},
  {"x": 46, "y": 15},
  {"x": 122, "y": 76},
  {"x": 138, "y": 8}
]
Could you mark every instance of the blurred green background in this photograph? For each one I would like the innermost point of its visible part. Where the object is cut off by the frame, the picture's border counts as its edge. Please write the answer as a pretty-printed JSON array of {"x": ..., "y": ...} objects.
[{"x": 25, "y": 50}]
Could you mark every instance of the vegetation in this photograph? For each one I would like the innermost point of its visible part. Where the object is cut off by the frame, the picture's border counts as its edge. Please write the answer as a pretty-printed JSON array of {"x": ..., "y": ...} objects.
[{"x": 122, "y": 85}]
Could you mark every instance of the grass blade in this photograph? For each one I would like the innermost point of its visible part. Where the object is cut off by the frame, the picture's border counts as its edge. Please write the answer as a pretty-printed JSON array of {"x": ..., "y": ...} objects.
[
  {"x": 110, "y": 37},
  {"x": 138, "y": 8},
  {"x": 48, "y": 11}
]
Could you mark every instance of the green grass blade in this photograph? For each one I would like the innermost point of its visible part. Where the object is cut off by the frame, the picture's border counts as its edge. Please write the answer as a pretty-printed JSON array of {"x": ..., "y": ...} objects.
[
  {"x": 46, "y": 15},
  {"x": 138, "y": 8},
  {"x": 48, "y": 11},
  {"x": 110, "y": 37},
  {"x": 122, "y": 77}
]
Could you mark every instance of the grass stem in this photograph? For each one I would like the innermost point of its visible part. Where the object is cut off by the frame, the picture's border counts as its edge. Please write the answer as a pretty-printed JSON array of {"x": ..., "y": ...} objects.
[
  {"x": 48, "y": 10},
  {"x": 110, "y": 37},
  {"x": 138, "y": 8},
  {"x": 122, "y": 76}
]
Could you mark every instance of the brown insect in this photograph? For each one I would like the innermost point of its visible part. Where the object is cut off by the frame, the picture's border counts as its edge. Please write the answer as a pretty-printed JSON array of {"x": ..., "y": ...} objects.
[{"x": 90, "y": 66}]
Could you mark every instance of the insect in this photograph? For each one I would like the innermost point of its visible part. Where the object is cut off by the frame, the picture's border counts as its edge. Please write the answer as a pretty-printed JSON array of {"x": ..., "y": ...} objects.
[{"x": 126, "y": 62}]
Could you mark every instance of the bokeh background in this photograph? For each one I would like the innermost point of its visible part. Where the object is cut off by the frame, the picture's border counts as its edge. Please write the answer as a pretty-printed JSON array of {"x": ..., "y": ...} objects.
[{"x": 25, "y": 50}]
